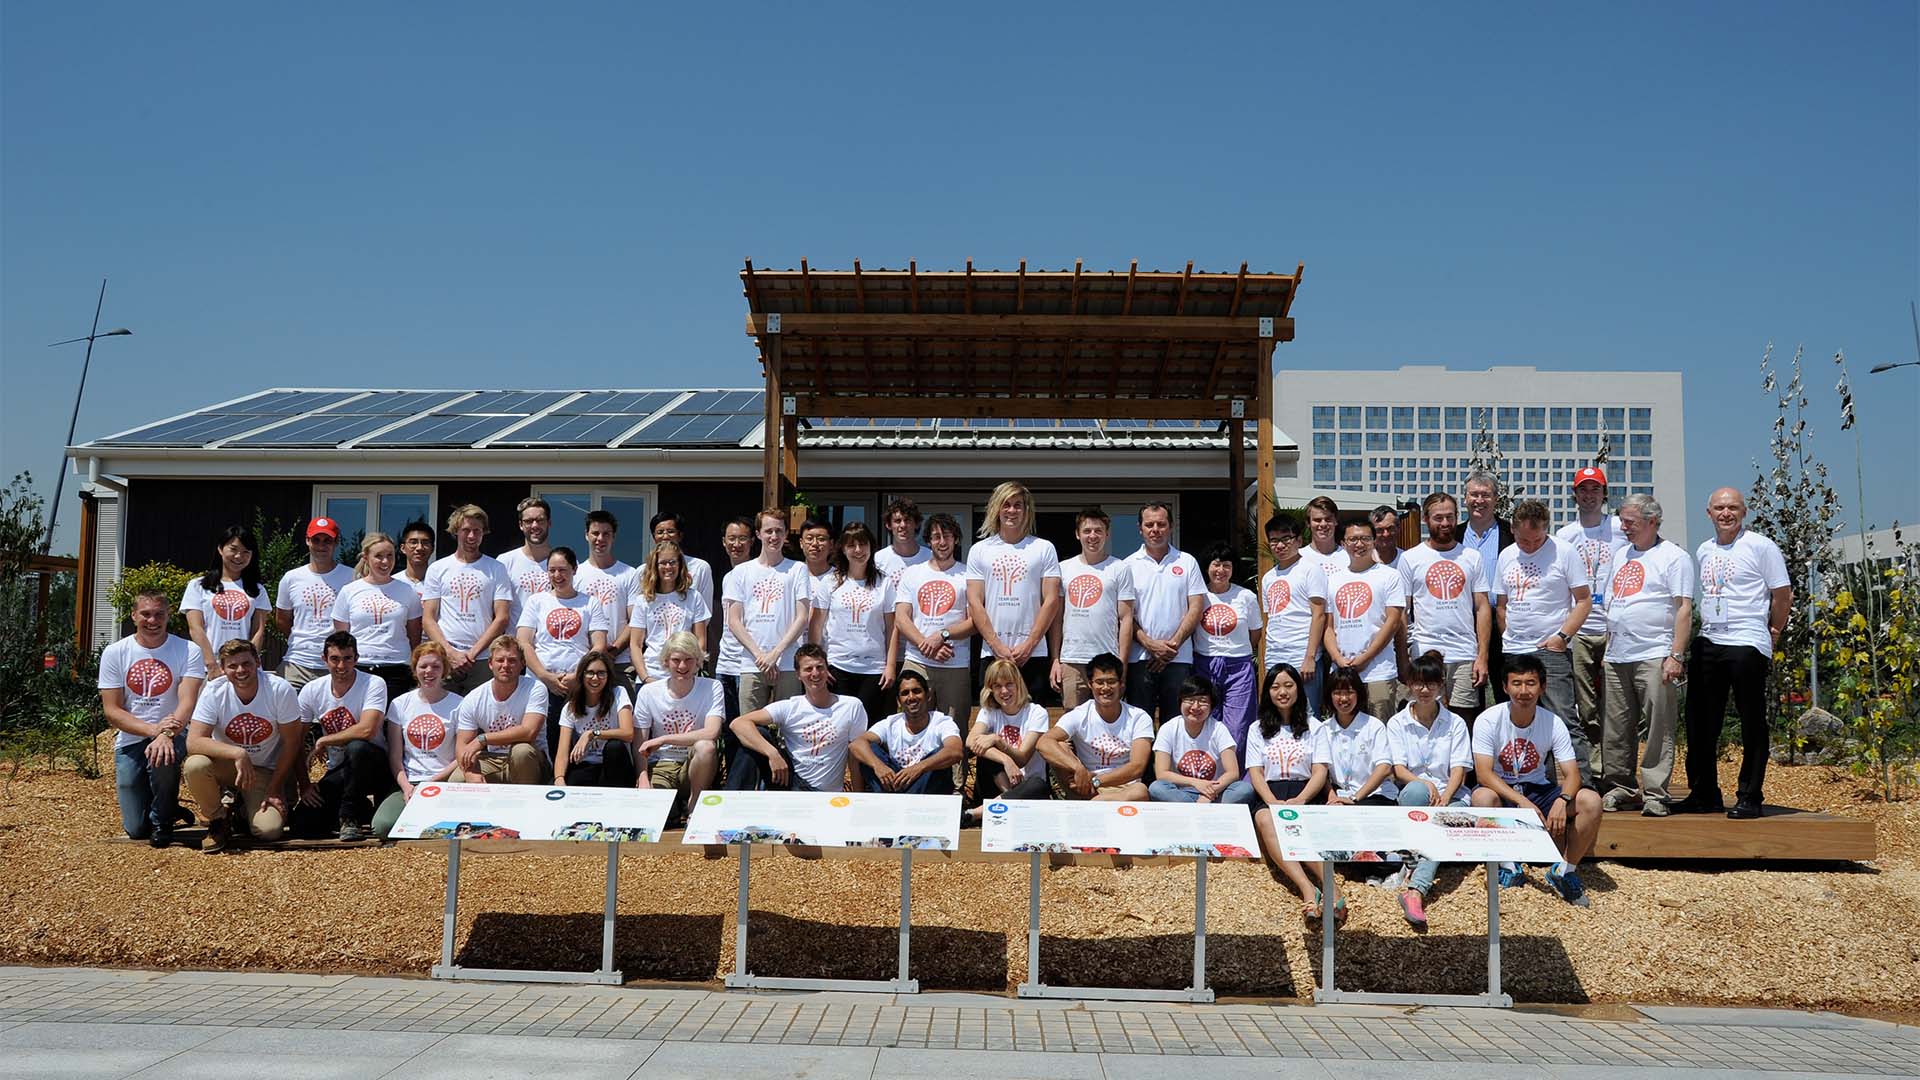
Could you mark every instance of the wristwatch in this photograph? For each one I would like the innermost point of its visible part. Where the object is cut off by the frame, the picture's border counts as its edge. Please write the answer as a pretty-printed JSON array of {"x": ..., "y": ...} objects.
[
  {"x": 1565, "y": 638},
  {"x": 1678, "y": 659},
  {"x": 1096, "y": 780},
  {"x": 1566, "y": 798},
  {"x": 944, "y": 636}
]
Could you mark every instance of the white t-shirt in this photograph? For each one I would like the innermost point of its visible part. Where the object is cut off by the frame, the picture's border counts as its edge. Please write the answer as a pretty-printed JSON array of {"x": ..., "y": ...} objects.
[
  {"x": 1337, "y": 559},
  {"x": 1101, "y": 746},
  {"x": 253, "y": 726},
  {"x": 1598, "y": 549},
  {"x": 1736, "y": 589},
  {"x": 1430, "y": 753},
  {"x": 770, "y": 598},
  {"x": 309, "y": 596},
  {"x": 318, "y": 705},
  {"x": 700, "y": 576},
  {"x": 1444, "y": 585},
  {"x": 612, "y": 587},
  {"x": 1090, "y": 616},
  {"x": 1198, "y": 756},
  {"x": 467, "y": 593},
  {"x": 906, "y": 748},
  {"x": 481, "y": 711},
  {"x": 149, "y": 679},
  {"x": 377, "y": 617},
  {"x": 856, "y": 623},
  {"x": 1161, "y": 589},
  {"x": 425, "y": 731},
  {"x": 731, "y": 657},
  {"x": 936, "y": 599},
  {"x": 1283, "y": 757},
  {"x": 1358, "y": 604},
  {"x": 893, "y": 565},
  {"x": 818, "y": 738},
  {"x": 1010, "y": 577},
  {"x": 227, "y": 614},
  {"x": 1012, "y": 729},
  {"x": 1227, "y": 623},
  {"x": 1516, "y": 750},
  {"x": 563, "y": 629},
  {"x": 1646, "y": 587},
  {"x": 1288, "y": 595},
  {"x": 529, "y": 579},
  {"x": 1351, "y": 753},
  {"x": 657, "y": 712},
  {"x": 599, "y": 721},
  {"x": 419, "y": 587},
  {"x": 1537, "y": 590},
  {"x": 662, "y": 617}
]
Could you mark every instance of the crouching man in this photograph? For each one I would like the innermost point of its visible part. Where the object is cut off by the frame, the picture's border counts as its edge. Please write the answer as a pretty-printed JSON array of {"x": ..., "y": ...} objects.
[
  {"x": 1511, "y": 744},
  {"x": 349, "y": 707},
  {"x": 245, "y": 738},
  {"x": 815, "y": 729},
  {"x": 500, "y": 729}
]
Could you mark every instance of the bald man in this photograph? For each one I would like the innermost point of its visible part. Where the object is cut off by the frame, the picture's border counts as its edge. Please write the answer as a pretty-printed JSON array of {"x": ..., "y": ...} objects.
[{"x": 1745, "y": 599}]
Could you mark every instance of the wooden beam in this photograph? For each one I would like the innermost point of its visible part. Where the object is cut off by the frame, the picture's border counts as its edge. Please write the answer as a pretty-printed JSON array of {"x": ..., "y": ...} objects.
[
  {"x": 83, "y": 579},
  {"x": 1142, "y": 328},
  {"x": 753, "y": 289},
  {"x": 770, "y": 460},
  {"x": 859, "y": 289},
  {"x": 1186, "y": 282},
  {"x": 1299, "y": 271},
  {"x": 1237, "y": 483},
  {"x": 1263, "y": 507},
  {"x": 866, "y": 355},
  {"x": 1239, "y": 290},
  {"x": 806, "y": 287},
  {"x": 1780, "y": 833},
  {"x": 969, "y": 308},
  {"x": 1126, "y": 304},
  {"x": 789, "y": 459},
  {"x": 1219, "y": 365},
  {"x": 1073, "y": 297},
  {"x": 1056, "y": 408},
  {"x": 913, "y": 286},
  {"x": 1020, "y": 290}
]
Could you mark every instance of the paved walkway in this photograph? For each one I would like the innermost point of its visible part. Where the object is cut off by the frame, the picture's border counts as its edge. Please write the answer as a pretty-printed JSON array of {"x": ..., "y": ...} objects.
[{"x": 85, "y": 1022}]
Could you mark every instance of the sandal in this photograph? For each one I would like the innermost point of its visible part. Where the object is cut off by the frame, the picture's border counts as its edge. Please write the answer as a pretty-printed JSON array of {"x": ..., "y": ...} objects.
[
  {"x": 1310, "y": 911},
  {"x": 1340, "y": 911}
]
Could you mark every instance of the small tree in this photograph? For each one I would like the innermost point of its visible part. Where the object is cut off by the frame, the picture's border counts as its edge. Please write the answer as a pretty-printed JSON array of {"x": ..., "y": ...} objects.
[{"x": 1869, "y": 635}]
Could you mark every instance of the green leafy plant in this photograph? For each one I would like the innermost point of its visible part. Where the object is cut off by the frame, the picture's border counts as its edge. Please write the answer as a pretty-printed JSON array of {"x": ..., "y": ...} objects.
[
  {"x": 1872, "y": 647},
  {"x": 164, "y": 576}
]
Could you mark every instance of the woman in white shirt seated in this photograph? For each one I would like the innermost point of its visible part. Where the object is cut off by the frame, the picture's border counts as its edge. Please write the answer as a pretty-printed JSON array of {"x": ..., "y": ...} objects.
[
  {"x": 420, "y": 737},
  {"x": 1281, "y": 768},
  {"x": 1431, "y": 755},
  {"x": 1006, "y": 730},
  {"x": 596, "y": 727},
  {"x": 1193, "y": 755}
]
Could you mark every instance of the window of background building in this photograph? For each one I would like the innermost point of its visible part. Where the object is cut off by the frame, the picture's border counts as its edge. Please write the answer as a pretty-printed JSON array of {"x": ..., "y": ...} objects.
[
  {"x": 1643, "y": 489},
  {"x": 1588, "y": 442},
  {"x": 1378, "y": 440},
  {"x": 1349, "y": 442},
  {"x": 1482, "y": 417},
  {"x": 1509, "y": 443},
  {"x": 1403, "y": 440},
  {"x": 1616, "y": 419},
  {"x": 1536, "y": 442},
  {"x": 1507, "y": 417},
  {"x": 1430, "y": 440},
  {"x": 1640, "y": 445},
  {"x": 1323, "y": 416},
  {"x": 1350, "y": 417},
  {"x": 1325, "y": 470},
  {"x": 1561, "y": 442},
  {"x": 1350, "y": 469},
  {"x": 1323, "y": 443},
  {"x": 385, "y": 508},
  {"x": 1642, "y": 471},
  {"x": 1457, "y": 441},
  {"x": 1589, "y": 418},
  {"x": 1429, "y": 418},
  {"x": 1376, "y": 418},
  {"x": 1640, "y": 419},
  {"x": 1536, "y": 419},
  {"x": 1403, "y": 417},
  {"x": 1562, "y": 418},
  {"x": 1456, "y": 417}
]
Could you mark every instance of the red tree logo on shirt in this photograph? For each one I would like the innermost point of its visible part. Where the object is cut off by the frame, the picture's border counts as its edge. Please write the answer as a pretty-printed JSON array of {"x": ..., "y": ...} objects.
[
  {"x": 1008, "y": 569},
  {"x": 1283, "y": 755},
  {"x": 1108, "y": 747},
  {"x": 1519, "y": 757},
  {"x": 149, "y": 677},
  {"x": 230, "y": 604},
  {"x": 1631, "y": 578},
  {"x": 533, "y": 581},
  {"x": 601, "y": 589},
  {"x": 1084, "y": 591},
  {"x": 911, "y": 755},
  {"x": 1445, "y": 580},
  {"x": 678, "y": 721},
  {"x": 768, "y": 592},
  {"x": 336, "y": 720},
  {"x": 1010, "y": 733},
  {"x": 1279, "y": 595},
  {"x": 1520, "y": 579},
  {"x": 1196, "y": 763},
  {"x": 859, "y": 601},
  {"x": 1715, "y": 571},
  {"x": 501, "y": 721},
  {"x": 426, "y": 732},
  {"x": 671, "y": 617},
  {"x": 378, "y": 606},
  {"x": 563, "y": 623},
  {"x": 1595, "y": 555},
  {"x": 464, "y": 588},
  {"x": 819, "y": 734},
  {"x": 1353, "y": 599},
  {"x": 317, "y": 599},
  {"x": 1220, "y": 619},
  {"x": 248, "y": 730},
  {"x": 936, "y": 597}
]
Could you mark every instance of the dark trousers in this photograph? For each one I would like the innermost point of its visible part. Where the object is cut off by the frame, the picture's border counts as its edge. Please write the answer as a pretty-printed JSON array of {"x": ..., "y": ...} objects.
[
  {"x": 931, "y": 782},
  {"x": 1037, "y": 673},
  {"x": 350, "y": 791},
  {"x": 747, "y": 771},
  {"x": 1033, "y": 785},
  {"x": 1157, "y": 693},
  {"x": 877, "y": 702},
  {"x": 1717, "y": 672},
  {"x": 398, "y": 677},
  {"x": 614, "y": 769}
]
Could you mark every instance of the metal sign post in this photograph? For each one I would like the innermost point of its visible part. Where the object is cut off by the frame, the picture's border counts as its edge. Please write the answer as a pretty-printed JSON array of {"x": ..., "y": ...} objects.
[
  {"x": 743, "y": 977},
  {"x": 1197, "y": 992},
  {"x": 1328, "y": 992},
  {"x": 606, "y": 975}
]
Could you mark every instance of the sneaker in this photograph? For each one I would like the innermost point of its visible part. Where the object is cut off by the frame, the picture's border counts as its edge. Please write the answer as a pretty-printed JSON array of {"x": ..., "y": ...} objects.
[
  {"x": 219, "y": 837},
  {"x": 1413, "y": 907},
  {"x": 160, "y": 838},
  {"x": 1512, "y": 874},
  {"x": 1655, "y": 808},
  {"x": 351, "y": 832},
  {"x": 1565, "y": 880},
  {"x": 1618, "y": 800}
]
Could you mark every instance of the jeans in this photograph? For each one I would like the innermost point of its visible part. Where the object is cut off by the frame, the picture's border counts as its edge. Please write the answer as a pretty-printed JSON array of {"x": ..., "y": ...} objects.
[
  {"x": 1240, "y": 792},
  {"x": 931, "y": 782},
  {"x": 148, "y": 794},
  {"x": 1559, "y": 699},
  {"x": 1420, "y": 793},
  {"x": 747, "y": 770},
  {"x": 1156, "y": 692},
  {"x": 1719, "y": 672},
  {"x": 1238, "y": 682}
]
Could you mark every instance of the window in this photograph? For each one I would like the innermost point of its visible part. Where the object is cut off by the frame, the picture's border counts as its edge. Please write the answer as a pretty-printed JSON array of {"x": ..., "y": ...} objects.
[
  {"x": 1402, "y": 417},
  {"x": 1377, "y": 440},
  {"x": 1616, "y": 419},
  {"x": 1350, "y": 469},
  {"x": 1482, "y": 417},
  {"x": 1429, "y": 418},
  {"x": 1456, "y": 417},
  {"x": 1508, "y": 417},
  {"x": 1640, "y": 419},
  {"x": 1350, "y": 417},
  {"x": 1536, "y": 442},
  {"x": 1588, "y": 442},
  {"x": 1642, "y": 472},
  {"x": 1323, "y": 442},
  {"x": 1589, "y": 419},
  {"x": 1509, "y": 443},
  {"x": 359, "y": 511},
  {"x": 1457, "y": 442},
  {"x": 1322, "y": 416},
  {"x": 1562, "y": 418},
  {"x": 1643, "y": 490},
  {"x": 633, "y": 506},
  {"x": 1536, "y": 419},
  {"x": 1430, "y": 441},
  {"x": 1349, "y": 442},
  {"x": 1376, "y": 418},
  {"x": 1325, "y": 470},
  {"x": 1640, "y": 445},
  {"x": 1403, "y": 440}
]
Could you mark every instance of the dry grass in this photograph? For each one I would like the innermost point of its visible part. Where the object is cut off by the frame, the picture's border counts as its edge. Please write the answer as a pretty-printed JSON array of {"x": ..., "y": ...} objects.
[{"x": 1821, "y": 936}]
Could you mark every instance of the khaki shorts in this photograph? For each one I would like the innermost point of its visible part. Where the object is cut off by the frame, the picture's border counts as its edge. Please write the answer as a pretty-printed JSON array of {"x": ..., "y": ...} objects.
[
  {"x": 668, "y": 774},
  {"x": 1381, "y": 698},
  {"x": 1461, "y": 693},
  {"x": 758, "y": 691},
  {"x": 1073, "y": 684},
  {"x": 952, "y": 690}
]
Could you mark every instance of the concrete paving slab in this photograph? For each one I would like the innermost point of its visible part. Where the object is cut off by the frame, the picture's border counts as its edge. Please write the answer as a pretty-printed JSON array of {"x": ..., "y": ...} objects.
[
  {"x": 35, "y": 1063},
  {"x": 692, "y": 1061},
  {"x": 1367, "y": 1069},
  {"x": 1155, "y": 1067},
  {"x": 273, "y": 1042},
  {"x": 165, "y": 1040},
  {"x": 199, "y": 1064},
  {"x": 254, "y": 978},
  {"x": 1693, "y": 1072},
  {"x": 1772, "y": 1018},
  {"x": 989, "y": 1064}
]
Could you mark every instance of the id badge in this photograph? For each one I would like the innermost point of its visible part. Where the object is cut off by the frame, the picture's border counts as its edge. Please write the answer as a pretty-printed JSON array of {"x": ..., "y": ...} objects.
[{"x": 1713, "y": 609}]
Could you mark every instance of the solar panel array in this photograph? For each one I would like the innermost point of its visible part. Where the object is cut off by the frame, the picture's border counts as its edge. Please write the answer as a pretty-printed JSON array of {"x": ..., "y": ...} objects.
[
  {"x": 466, "y": 421},
  {"x": 350, "y": 420},
  {"x": 709, "y": 416},
  {"x": 225, "y": 421},
  {"x": 594, "y": 419}
]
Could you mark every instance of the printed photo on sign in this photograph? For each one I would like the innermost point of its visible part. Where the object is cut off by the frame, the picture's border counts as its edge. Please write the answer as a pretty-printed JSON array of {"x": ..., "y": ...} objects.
[
  {"x": 824, "y": 819},
  {"x": 448, "y": 811},
  {"x": 1097, "y": 828}
]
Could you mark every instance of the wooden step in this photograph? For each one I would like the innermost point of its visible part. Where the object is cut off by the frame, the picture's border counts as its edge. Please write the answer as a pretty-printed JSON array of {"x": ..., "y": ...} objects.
[{"x": 1780, "y": 833}]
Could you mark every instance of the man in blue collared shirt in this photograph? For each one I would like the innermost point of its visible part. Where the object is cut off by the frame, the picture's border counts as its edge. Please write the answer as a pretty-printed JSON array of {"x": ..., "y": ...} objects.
[{"x": 1488, "y": 535}]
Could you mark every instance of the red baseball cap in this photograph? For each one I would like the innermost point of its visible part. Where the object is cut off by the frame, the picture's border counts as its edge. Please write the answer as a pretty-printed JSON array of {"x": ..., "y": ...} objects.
[
  {"x": 1590, "y": 475},
  {"x": 324, "y": 525}
]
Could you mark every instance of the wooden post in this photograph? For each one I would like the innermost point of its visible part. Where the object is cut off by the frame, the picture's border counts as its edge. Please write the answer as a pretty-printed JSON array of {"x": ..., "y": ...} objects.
[
  {"x": 770, "y": 463},
  {"x": 40, "y": 612},
  {"x": 789, "y": 463},
  {"x": 1237, "y": 480},
  {"x": 83, "y": 582},
  {"x": 1263, "y": 426}
]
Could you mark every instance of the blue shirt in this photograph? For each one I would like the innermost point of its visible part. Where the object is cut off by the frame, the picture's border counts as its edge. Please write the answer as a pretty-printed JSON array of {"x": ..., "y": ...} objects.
[{"x": 1488, "y": 545}]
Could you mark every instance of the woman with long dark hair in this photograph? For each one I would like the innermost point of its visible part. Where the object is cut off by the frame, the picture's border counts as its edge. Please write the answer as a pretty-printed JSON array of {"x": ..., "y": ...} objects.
[
  {"x": 853, "y": 618},
  {"x": 596, "y": 727},
  {"x": 228, "y": 600},
  {"x": 1281, "y": 768}
]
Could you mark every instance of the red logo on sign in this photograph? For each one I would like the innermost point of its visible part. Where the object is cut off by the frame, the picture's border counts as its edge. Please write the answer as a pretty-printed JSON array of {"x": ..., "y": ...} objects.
[
  {"x": 1279, "y": 595},
  {"x": 149, "y": 677},
  {"x": 429, "y": 791},
  {"x": 1520, "y": 757},
  {"x": 426, "y": 732},
  {"x": 248, "y": 730},
  {"x": 1196, "y": 763},
  {"x": 1353, "y": 599},
  {"x": 1445, "y": 580},
  {"x": 936, "y": 598},
  {"x": 1084, "y": 591},
  {"x": 563, "y": 623},
  {"x": 1631, "y": 578},
  {"x": 1220, "y": 620},
  {"x": 336, "y": 720},
  {"x": 230, "y": 604},
  {"x": 1129, "y": 811},
  {"x": 1416, "y": 815}
]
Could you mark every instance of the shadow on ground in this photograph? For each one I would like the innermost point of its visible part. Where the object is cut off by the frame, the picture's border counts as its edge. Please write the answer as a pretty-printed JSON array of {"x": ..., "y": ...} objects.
[{"x": 683, "y": 948}]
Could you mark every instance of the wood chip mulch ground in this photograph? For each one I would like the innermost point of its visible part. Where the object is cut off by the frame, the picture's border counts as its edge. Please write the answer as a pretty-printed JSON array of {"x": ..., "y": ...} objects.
[{"x": 1808, "y": 935}]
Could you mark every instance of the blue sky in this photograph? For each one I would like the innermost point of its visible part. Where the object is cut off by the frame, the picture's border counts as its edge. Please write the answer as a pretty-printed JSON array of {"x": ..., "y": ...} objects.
[{"x": 496, "y": 195}]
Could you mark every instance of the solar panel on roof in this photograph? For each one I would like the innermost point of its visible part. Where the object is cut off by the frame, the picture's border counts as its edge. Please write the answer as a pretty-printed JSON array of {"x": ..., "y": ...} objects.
[
  {"x": 698, "y": 428},
  {"x": 351, "y": 422},
  {"x": 456, "y": 430},
  {"x": 597, "y": 418},
  {"x": 223, "y": 421},
  {"x": 287, "y": 403}
]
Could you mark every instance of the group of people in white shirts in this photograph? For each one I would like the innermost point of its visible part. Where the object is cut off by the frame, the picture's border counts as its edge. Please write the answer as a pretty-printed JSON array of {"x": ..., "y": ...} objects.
[{"x": 1459, "y": 669}]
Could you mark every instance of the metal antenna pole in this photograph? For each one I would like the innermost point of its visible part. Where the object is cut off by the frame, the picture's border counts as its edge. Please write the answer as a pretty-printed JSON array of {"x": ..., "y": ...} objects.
[{"x": 60, "y": 474}]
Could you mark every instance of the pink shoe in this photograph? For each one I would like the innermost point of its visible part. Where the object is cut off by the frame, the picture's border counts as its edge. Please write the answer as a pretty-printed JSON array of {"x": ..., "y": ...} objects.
[{"x": 1413, "y": 907}]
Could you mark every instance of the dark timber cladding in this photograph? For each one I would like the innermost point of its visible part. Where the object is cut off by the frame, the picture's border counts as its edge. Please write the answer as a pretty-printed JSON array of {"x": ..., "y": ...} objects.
[{"x": 1053, "y": 344}]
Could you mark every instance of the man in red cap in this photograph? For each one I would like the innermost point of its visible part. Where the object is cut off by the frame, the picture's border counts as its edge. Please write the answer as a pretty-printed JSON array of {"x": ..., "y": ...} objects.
[
  {"x": 1595, "y": 538},
  {"x": 303, "y": 607}
]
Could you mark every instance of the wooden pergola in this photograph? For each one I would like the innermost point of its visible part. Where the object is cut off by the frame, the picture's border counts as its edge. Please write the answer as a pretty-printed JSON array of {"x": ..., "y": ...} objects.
[{"x": 1047, "y": 344}]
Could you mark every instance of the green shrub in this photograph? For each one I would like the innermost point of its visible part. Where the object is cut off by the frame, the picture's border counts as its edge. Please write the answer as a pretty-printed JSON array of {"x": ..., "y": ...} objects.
[{"x": 164, "y": 576}]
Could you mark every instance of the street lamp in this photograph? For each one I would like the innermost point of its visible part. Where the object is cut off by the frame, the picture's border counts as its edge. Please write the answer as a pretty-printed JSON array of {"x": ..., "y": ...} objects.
[
  {"x": 60, "y": 475},
  {"x": 1878, "y": 368}
]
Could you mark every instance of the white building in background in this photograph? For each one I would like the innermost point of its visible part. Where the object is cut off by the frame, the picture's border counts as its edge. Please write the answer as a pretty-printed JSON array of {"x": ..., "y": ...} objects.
[{"x": 1412, "y": 431}]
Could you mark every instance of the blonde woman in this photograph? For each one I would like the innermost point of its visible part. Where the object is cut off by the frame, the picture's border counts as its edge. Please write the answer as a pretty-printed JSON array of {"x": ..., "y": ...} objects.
[
  {"x": 382, "y": 613},
  {"x": 677, "y": 723},
  {"x": 420, "y": 736},
  {"x": 1013, "y": 582},
  {"x": 1005, "y": 732},
  {"x": 664, "y": 603}
]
